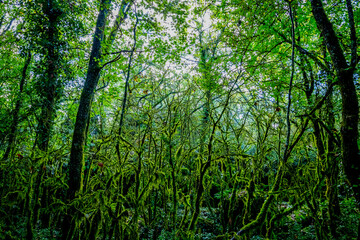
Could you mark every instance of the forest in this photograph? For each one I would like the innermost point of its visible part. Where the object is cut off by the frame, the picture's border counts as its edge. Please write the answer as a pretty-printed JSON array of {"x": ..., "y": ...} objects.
[{"x": 179, "y": 119}]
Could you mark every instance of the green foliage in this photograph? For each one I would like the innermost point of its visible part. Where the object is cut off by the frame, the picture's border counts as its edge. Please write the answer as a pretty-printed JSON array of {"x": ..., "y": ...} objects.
[{"x": 186, "y": 140}]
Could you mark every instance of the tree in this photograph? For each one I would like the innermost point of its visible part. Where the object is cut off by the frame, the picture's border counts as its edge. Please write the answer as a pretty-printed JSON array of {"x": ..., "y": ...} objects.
[
  {"x": 212, "y": 119},
  {"x": 83, "y": 114},
  {"x": 345, "y": 76}
]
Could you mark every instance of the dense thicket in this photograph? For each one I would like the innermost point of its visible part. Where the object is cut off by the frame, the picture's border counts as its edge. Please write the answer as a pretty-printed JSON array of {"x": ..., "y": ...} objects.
[{"x": 179, "y": 119}]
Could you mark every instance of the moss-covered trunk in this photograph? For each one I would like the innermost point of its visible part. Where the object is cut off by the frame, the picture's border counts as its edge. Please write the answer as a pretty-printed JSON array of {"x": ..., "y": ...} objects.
[
  {"x": 80, "y": 131},
  {"x": 350, "y": 105},
  {"x": 15, "y": 115},
  {"x": 50, "y": 85},
  {"x": 92, "y": 78}
]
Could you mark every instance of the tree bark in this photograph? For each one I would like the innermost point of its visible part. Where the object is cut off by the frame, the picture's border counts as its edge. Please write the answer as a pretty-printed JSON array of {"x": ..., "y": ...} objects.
[
  {"x": 82, "y": 118},
  {"x": 15, "y": 120},
  {"x": 350, "y": 105},
  {"x": 50, "y": 86},
  {"x": 204, "y": 66},
  {"x": 92, "y": 78}
]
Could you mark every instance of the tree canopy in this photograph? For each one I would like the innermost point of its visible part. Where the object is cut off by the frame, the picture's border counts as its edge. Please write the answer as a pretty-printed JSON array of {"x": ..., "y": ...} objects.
[{"x": 139, "y": 119}]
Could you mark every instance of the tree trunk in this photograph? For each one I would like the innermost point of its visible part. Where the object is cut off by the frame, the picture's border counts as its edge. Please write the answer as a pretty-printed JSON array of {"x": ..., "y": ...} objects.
[
  {"x": 92, "y": 78},
  {"x": 204, "y": 67},
  {"x": 350, "y": 106},
  {"x": 49, "y": 84},
  {"x": 15, "y": 120},
  {"x": 83, "y": 114}
]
